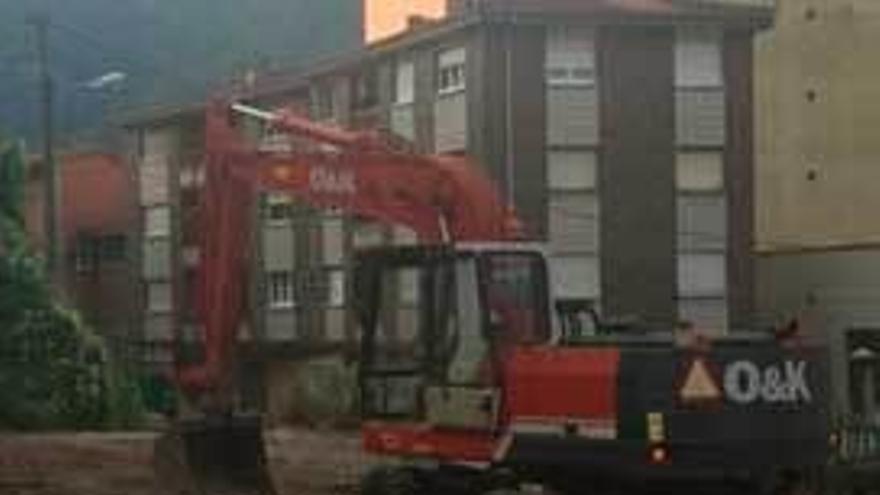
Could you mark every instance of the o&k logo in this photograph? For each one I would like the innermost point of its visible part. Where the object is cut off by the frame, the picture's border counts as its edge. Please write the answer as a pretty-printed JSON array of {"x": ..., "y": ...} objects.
[
  {"x": 745, "y": 382},
  {"x": 332, "y": 181}
]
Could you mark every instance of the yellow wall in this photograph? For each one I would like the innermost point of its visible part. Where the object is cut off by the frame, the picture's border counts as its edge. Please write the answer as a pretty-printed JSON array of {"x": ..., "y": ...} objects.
[
  {"x": 383, "y": 18},
  {"x": 818, "y": 163}
]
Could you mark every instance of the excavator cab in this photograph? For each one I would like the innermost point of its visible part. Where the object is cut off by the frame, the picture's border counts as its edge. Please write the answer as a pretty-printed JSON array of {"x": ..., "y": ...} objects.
[{"x": 437, "y": 323}]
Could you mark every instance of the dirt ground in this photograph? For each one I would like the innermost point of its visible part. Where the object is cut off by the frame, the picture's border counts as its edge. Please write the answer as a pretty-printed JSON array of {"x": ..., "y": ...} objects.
[{"x": 303, "y": 463}]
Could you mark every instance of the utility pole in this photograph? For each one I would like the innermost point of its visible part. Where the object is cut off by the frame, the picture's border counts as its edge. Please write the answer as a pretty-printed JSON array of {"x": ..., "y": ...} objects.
[{"x": 54, "y": 240}]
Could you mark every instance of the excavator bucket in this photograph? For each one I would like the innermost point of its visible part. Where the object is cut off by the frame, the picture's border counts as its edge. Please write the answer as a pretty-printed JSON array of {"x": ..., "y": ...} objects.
[{"x": 213, "y": 456}]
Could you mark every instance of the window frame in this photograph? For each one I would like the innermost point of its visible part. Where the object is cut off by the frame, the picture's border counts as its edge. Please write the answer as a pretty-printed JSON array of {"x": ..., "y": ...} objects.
[
  {"x": 407, "y": 96},
  {"x": 445, "y": 84},
  {"x": 280, "y": 289},
  {"x": 569, "y": 49}
]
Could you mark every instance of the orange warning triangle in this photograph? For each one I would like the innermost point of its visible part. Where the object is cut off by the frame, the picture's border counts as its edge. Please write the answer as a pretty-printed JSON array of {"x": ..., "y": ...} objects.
[{"x": 699, "y": 384}]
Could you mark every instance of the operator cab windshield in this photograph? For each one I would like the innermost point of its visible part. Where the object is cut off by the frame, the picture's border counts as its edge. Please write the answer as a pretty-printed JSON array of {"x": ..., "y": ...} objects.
[{"x": 439, "y": 320}]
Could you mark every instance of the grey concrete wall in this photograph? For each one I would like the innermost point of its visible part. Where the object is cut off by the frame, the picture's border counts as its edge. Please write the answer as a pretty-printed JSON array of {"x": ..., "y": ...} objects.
[
  {"x": 636, "y": 173},
  {"x": 832, "y": 292}
]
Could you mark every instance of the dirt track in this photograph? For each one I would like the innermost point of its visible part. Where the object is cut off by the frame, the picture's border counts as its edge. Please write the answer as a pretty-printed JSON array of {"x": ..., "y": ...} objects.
[{"x": 303, "y": 463}]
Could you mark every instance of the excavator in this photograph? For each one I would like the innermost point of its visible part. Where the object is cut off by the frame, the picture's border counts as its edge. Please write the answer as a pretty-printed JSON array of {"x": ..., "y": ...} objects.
[{"x": 496, "y": 393}]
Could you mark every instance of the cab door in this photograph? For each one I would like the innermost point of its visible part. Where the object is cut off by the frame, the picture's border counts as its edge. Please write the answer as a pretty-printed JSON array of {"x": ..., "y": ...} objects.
[{"x": 465, "y": 393}]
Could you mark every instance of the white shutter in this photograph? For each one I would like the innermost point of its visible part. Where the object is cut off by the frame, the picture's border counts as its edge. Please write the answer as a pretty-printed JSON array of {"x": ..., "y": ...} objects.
[
  {"x": 702, "y": 222},
  {"x": 575, "y": 276},
  {"x": 408, "y": 284},
  {"x": 701, "y": 275},
  {"x": 571, "y": 55},
  {"x": 574, "y": 222},
  {"x": 571, "y": 170},
  {"x": 698, "y": 58},
  {"x": 405, "y": 82},
  {"x": 404, "y": 236},
  {"x": 332, "y": 240},
  {"x": 157, "y": 221},
  {"x": 154, "y": 179},
  {"x": 699, "y": 171},
  {"x": 159, "y": 297},
  {"x": 451, "y": 57},
  {"x": 708, "y": 315},
  {"x": 158, "y": 141},
  {"x": 336, "y": 288},
  {"x": 368, "y": 234}
]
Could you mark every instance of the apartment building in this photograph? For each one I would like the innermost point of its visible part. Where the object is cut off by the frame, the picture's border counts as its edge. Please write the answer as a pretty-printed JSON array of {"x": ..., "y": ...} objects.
[
  {"x": 98, "y": 217},
  {"x": 818, "y": 101},
  {"x": 621, "y": 133}
]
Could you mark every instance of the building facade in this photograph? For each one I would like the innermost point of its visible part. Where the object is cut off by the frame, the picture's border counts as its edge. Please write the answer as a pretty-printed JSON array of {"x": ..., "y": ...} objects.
[
  {"x": 818, "y": 94},
  {"x": 98, "y": 217},
  {"x": 622, "y": 135}
]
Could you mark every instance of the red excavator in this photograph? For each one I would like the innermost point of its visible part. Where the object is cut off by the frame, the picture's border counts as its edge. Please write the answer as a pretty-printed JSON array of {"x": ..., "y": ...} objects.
[{"x": 497, "y": 391}]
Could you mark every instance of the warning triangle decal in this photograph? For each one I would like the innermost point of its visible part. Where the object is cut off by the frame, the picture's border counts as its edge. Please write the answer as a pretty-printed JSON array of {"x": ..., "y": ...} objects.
[{"x": 699, "y": 384}]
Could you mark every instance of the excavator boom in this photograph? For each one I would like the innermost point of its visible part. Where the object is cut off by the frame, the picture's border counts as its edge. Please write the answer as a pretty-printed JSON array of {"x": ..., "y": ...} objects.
[{"x": 366, "y": 174}]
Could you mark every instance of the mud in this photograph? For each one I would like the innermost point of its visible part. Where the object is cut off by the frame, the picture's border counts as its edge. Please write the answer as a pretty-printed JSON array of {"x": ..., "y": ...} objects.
[{"x": 303, "y": 462}]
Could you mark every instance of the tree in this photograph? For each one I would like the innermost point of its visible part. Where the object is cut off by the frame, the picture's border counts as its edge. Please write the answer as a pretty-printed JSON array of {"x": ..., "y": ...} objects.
[{"x": 51, "y": 367}]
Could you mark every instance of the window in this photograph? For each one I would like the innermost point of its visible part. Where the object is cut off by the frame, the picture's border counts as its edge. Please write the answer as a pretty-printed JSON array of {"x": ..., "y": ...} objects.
[
  {"x": 573, "y": 209},
  {"x": 333, "y": 240},
  {"x": 85, "y": 254},
  {"x": 366, "y": 89},
  {"x": 336, "y": 288},
  {"x": 157, "y": 221},
  {"x": 154, "y": 180},
  {"x": 321, "y": 286},
  {"x": 575, "y": 276},
  {"x": 702, "y": 223},
  {"x": 451, "y": 71},
  {"x": 571, "y": 59},
  {"x": 567, "y": 170},
  {"x": 699, "y": 171},
  {"x": 322, "y": 102},
  {"x": 274, "y": 140},
  {"x": 112, "y": 247},
  {"x": 279, "y": 207},
  {"x": 574, "y": 222},
  {"x": 159, "y": 297},
  {"x": 280, "y": 293},
  {"x": 708, "y": 314},
  {"x": 702, "y": 275},
  {"x": 515, "y": 296},
  {"x": 404, "y": 82},
  {"x": 698, "y": 58},
  {"x": 863, "y": 347}
]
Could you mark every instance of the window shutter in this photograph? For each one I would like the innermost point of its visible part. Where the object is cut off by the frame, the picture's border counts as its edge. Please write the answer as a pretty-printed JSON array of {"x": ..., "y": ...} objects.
[
  {"x": 701, "y": 275},
  {"x": 698, "y": 58},
  {"x": 405, "y": 83},
  {"x": 571, "y": 170},
  {"x": 575, "y": 276}
]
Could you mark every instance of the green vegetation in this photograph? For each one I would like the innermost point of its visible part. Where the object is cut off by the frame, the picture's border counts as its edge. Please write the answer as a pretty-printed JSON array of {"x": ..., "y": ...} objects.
[{"x": 54, "y": 372}]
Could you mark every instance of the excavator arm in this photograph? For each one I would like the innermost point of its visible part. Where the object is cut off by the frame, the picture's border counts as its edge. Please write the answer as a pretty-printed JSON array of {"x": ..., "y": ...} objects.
[{"x": 441, "y": 198}]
